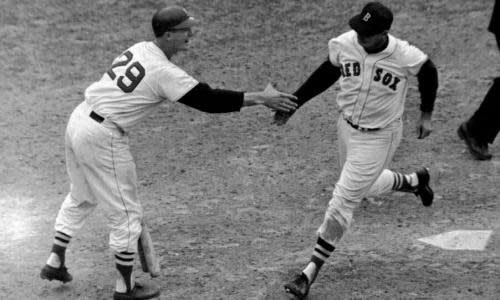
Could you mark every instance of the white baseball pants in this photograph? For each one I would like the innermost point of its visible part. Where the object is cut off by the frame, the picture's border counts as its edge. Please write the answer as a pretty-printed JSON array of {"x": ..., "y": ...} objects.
[
  {"x": 363, "y": 158},
  {"x": 102, "y": 171}
]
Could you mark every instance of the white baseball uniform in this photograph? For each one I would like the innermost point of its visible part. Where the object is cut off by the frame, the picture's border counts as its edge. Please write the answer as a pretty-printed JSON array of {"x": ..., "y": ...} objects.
[
  {"x": 98, "y": 159},
  {"x": 371, "y": 102}
]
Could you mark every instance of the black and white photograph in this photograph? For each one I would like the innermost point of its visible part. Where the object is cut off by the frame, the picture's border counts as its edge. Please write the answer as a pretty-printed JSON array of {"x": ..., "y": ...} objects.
[{"x": 260, "y": 149}]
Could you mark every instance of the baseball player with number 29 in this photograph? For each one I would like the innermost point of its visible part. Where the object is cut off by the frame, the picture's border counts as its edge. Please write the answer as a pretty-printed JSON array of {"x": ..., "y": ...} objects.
[
  {"x": 98, "y": 158},
  {"x": 374, "y": 68}
]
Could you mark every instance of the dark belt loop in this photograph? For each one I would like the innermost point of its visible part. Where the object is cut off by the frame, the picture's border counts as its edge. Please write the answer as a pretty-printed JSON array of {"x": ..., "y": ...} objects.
[
  {"x": 96, "y": 117},
  {"x": 99, "y": 119}
]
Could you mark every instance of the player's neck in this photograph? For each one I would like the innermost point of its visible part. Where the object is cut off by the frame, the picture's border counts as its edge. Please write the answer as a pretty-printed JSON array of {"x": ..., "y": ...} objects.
[
  {"x": 379, "y": 48},
  {"x": 164, "y": 48}
]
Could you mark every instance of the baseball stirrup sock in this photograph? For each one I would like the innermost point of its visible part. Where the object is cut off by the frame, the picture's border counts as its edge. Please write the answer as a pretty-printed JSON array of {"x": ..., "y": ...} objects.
[
  {"x": 405, "y": 183},
  {"x": 58, "y": 252},
  {"x": 321, "y": 253},
  {"x": 125, "y": 265}
]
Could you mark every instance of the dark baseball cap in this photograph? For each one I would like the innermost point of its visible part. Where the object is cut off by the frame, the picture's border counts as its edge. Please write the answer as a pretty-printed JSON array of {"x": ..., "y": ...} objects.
[
  {"x": 374, "y": 18},
  {"x": 171, "y": 18}
]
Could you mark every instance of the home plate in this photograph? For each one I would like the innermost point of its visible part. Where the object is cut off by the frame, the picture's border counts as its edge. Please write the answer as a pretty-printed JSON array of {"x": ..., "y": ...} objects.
[{"x": 460, "y": 240}]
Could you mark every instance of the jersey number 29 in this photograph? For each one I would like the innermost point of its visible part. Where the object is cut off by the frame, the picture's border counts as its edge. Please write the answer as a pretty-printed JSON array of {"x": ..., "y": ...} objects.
[{"x": 134, "y": 73}]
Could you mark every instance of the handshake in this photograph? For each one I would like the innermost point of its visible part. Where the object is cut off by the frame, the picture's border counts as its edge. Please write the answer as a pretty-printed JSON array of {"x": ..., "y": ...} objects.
[{"x": 284, "y": 104}]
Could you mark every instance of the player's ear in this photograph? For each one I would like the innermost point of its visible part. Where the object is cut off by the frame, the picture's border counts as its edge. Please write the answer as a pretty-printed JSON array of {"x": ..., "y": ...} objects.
[{"x": 167, "y": 35}]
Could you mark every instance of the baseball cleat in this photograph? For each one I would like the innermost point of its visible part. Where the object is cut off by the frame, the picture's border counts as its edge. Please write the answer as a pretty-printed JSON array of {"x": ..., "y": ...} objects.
[
  {"x": 51, "y": 273},
  {"x": 141, "y": 291},
  {"x": 299, "y": 286},
  {"x": 477, "y": 149},
  {"x": 424, "y": 191}
]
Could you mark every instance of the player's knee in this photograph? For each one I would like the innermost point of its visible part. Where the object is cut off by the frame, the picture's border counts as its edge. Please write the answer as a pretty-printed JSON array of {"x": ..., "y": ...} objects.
[
  {"x": 124, "y": 235},
  {"x": 340, "y": 210},
  {"x": 124, "y": 240},
  {"x": 346, "y": 196}
]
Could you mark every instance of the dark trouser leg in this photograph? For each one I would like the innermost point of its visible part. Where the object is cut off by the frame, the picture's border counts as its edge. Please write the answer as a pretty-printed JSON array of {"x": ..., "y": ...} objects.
[{"x": 485, "y": 122}]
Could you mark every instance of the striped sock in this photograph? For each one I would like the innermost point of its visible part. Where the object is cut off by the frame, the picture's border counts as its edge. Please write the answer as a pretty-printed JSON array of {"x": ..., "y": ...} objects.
[
  {"x": 58, "y": 252},
  {"x": 404, "y": 183},
  {"x": 124, "y": 265},
  {"x": 321, "y": 253}
]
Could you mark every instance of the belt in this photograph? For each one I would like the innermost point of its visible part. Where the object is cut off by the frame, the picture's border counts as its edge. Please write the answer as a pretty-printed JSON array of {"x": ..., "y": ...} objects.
[
  {"x": 96, "y": 117},
  {"x": 357, "y": 127},
  {"x": 99, "y": 119}
]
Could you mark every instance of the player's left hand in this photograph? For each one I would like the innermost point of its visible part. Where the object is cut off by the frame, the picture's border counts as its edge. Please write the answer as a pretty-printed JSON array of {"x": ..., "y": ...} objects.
[{"x": 424, "y": 125}]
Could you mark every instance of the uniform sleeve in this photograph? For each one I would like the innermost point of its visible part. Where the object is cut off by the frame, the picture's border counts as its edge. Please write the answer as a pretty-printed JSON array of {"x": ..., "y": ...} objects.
[
  {"x": 334, "y": 51},
  {"x": 412, "y": 58},
  {"x": 173, "y": 82}
]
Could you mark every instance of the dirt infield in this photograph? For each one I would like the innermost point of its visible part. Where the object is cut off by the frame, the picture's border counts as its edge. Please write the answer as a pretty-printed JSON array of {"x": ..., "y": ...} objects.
[{"x": 232, "y": 201}]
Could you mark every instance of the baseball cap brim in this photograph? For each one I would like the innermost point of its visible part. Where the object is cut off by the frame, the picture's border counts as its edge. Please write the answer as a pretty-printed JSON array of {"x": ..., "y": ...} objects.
[
  {"x": 188, "y": 23},
  {"x": 361, "y": 27}
]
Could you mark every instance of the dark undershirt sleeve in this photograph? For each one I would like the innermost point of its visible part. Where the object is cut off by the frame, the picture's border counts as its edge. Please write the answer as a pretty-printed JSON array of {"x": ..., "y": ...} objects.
[
  {"x": 494, "y": 25},
  {"x": 202, "y": 97},
  {"x": 320, "y": 80},
  {"x": 427, "y": 85}
]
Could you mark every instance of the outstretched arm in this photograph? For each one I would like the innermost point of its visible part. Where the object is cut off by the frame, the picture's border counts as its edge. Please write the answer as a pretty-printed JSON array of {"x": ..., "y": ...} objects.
[
  {"x": 320, "y": 80},
  {"x": 427, "y": 86},
  {"x": 204, "y": 98}
]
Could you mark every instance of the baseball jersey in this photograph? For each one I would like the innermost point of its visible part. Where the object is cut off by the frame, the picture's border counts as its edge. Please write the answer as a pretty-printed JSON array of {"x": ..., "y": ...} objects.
[
  {"x": 139, "y": 80},
  {"x": 373, "y": 87}
]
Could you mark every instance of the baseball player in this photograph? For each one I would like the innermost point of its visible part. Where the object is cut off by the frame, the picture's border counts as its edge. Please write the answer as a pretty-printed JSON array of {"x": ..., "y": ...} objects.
[
  {"x": 373, "y": 68},
  {"x": 99, "y": 162},
  {"x": 483, "y": 126}
]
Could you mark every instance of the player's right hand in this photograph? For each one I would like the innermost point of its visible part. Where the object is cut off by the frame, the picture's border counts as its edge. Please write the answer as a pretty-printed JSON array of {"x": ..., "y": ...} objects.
[{"x": 277, "y": 100}]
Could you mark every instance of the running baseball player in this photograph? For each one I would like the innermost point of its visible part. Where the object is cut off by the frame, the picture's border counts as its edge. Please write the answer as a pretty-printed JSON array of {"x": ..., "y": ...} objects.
[
  {"x": 99, "y": 162},
  {"x": 374, "y": 68}
]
